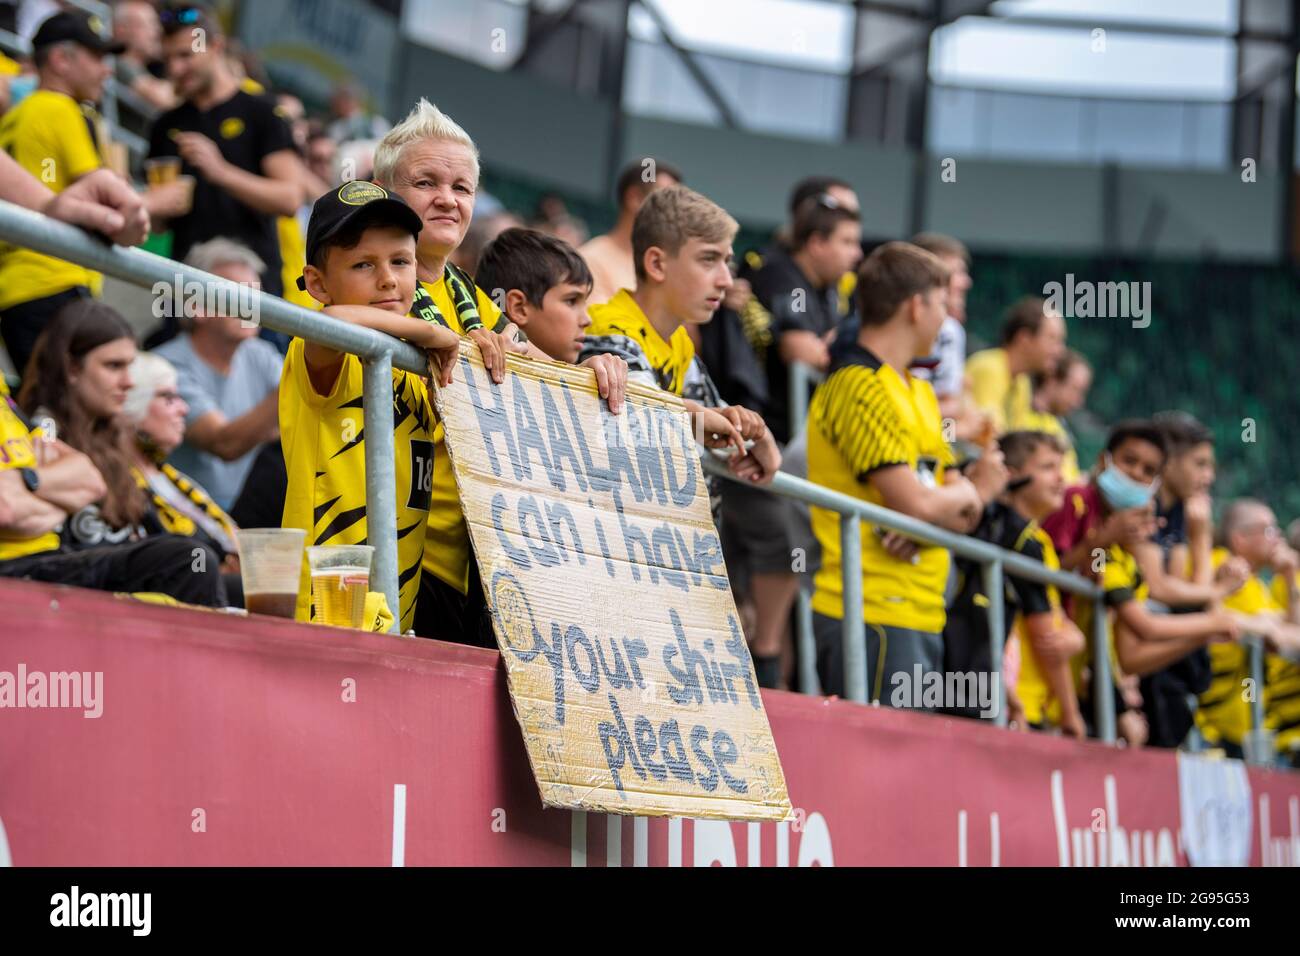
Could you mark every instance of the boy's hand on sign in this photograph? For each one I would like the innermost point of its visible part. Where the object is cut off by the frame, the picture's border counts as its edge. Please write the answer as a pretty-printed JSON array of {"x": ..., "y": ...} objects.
[
  {"x": 713, "y": 430},
  {"x": 493, "y": 349},
  {"x": 760, "y": 464},
  {"x": 611, "y": 379},
  {"x": 750, "y": 424}
]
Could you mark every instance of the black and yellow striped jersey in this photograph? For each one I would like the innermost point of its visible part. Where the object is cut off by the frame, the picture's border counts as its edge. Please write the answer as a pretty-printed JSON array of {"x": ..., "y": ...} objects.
[
  {"x": 323, "y": 437},
  {"x": 1282, "y": 683},
  {"x": 451, "y": 303},
  {"x": 1223, "y": 713},
  {"x": 864, "y": 417},
  {"x": 17, "y": 451}
]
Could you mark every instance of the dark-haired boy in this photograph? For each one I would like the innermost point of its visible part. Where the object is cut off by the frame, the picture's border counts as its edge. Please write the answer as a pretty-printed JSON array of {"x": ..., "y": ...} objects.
[
  {"x": 542, "y": 286},
  {"x": 361, "y": 267},
  {"x": 875, "y": 433},
  {"x": 1049, "y": 641},
  {"x": 1097, "y": 532}
]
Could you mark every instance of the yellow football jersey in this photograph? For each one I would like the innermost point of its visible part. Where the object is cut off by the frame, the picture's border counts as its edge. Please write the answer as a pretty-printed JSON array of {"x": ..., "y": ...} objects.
[
  {"x": 52, "y": 138},
  {"x": 866, "y": 416},
  {"x": 324, "y": 454}
]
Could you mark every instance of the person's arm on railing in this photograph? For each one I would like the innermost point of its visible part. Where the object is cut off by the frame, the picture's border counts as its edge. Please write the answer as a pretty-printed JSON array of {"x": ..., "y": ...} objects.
[
  {"x": 324, "y": 363},
  {"x": 954, "y": 505},
  {"x": 1146, "y": 642},
  {"x": 1053, "y": 640},
  {"x": 99, "y": 201},
  {"x": 231, "y": 438}
]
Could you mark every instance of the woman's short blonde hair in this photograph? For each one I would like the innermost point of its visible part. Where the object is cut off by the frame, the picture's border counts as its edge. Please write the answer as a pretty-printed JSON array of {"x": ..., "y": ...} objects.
[
  {"x": 426, "y": 121},
  {"x": 149, "y": 373}
]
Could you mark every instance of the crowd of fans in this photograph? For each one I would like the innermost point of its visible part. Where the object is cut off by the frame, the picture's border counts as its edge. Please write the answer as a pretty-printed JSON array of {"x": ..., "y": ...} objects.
[{"x": 132, "y": 470}]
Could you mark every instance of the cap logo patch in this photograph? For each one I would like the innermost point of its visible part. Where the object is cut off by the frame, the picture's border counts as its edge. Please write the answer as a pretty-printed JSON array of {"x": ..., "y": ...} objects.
[
  {"x": 358, "y": 193},
  {"x": 95, "y": 24}
]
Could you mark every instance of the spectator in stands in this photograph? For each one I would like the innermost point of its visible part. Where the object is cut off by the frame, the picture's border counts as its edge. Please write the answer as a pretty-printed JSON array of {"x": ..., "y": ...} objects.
[
  {"x": 233, "y": 143},
  {"x": 1249, "y": 532},
  {"x": 1058, "y": 394},
  {"x": 874, "y": 432},
  {"x": 681, "y": 245},
  {"x": 322, "y": 155},
  {"x": 1097, "y": 532},
  {"x": 56, "y": 139},
  {"x": 610, "y": 256},
  {"x": 73, "y": 387},
  {"x": 1049, "y": 642},
  {"x": 179, "y": 505},
  {"x": 361, "y": 252},
  {"x": 946, "y": 369},
  {"x": 1032, "y": 341},
  {"x": 351, "y": 118},
  {"x": 139, "y": 66},
  {"x": 1178, "y": 567},
  {"x": 228, "y": 377},
  {"x": 72, "y": 471},
  {"x": 800, "y": 290},
  {"x": 431, "y": 163}
]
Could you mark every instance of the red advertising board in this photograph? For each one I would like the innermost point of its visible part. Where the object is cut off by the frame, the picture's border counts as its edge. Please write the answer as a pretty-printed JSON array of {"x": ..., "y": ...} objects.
[{"x": 193, "y": 738}]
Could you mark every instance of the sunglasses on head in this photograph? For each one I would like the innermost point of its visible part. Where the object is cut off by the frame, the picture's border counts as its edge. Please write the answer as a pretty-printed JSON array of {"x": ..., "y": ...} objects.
[{"x": 184, "y": 16}]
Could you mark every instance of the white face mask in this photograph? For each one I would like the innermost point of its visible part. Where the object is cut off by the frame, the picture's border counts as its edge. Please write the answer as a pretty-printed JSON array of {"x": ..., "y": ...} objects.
[{"x": 1122, "y": 492}]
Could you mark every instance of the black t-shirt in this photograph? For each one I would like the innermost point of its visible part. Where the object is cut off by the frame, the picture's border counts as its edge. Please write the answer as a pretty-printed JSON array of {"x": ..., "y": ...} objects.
[
  {"x": 796, "y": 305},
  {"x": 246, "y": 129},
  {"x": 966, "y": 633}
]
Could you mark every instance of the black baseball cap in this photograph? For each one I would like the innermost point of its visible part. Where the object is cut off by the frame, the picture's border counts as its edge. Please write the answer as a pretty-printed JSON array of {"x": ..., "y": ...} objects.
[
  {"x": 356, "y": 201},
  {"x": 78, "y": 27}
]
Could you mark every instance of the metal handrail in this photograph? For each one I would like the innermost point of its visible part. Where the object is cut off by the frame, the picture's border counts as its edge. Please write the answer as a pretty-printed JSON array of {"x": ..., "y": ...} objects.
[
  {"x": 994, "y": 563},
  {"x": 379, "y": 353}
]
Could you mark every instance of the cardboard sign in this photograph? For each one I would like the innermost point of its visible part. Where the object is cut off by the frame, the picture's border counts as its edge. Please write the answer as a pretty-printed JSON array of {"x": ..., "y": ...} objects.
[{"x": 628, "y": 670}]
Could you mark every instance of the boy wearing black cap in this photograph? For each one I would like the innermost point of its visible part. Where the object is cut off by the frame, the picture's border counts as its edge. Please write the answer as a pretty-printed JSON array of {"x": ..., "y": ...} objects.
[
  {"x": 54, "y": 138},
  {"x": 361, "y": 268}
]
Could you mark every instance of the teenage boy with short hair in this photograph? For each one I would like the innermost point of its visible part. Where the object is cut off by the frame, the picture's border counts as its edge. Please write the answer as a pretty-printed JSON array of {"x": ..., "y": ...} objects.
[
  {"x": 1049, "y": 641},
  {"x": 682, "y": 246},
  {"x": 361, "y": 267},
  {"x": 875, "y": 433}
]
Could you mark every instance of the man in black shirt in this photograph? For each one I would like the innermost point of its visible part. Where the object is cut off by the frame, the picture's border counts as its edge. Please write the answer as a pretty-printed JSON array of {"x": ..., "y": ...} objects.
[{"x": 237, "y": 148}]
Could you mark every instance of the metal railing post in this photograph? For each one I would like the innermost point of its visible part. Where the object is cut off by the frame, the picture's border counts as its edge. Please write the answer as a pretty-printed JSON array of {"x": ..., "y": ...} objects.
[
  {"x": 797, "y": 397},
  {"x": 803, "y": 617},
  {"x": 855, "y": 631},
  {"x": 1103, "y": 681},
  {"x": 1257, "y": 745},
  {"x": 994, "y": 592},
  {"x": 381, "y": 480}
]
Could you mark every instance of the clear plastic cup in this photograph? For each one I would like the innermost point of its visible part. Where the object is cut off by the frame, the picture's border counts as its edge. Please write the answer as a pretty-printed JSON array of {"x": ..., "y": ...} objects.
[
  {"x": 270, "y": 562},
  {"x": 340, "y": 579}
]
